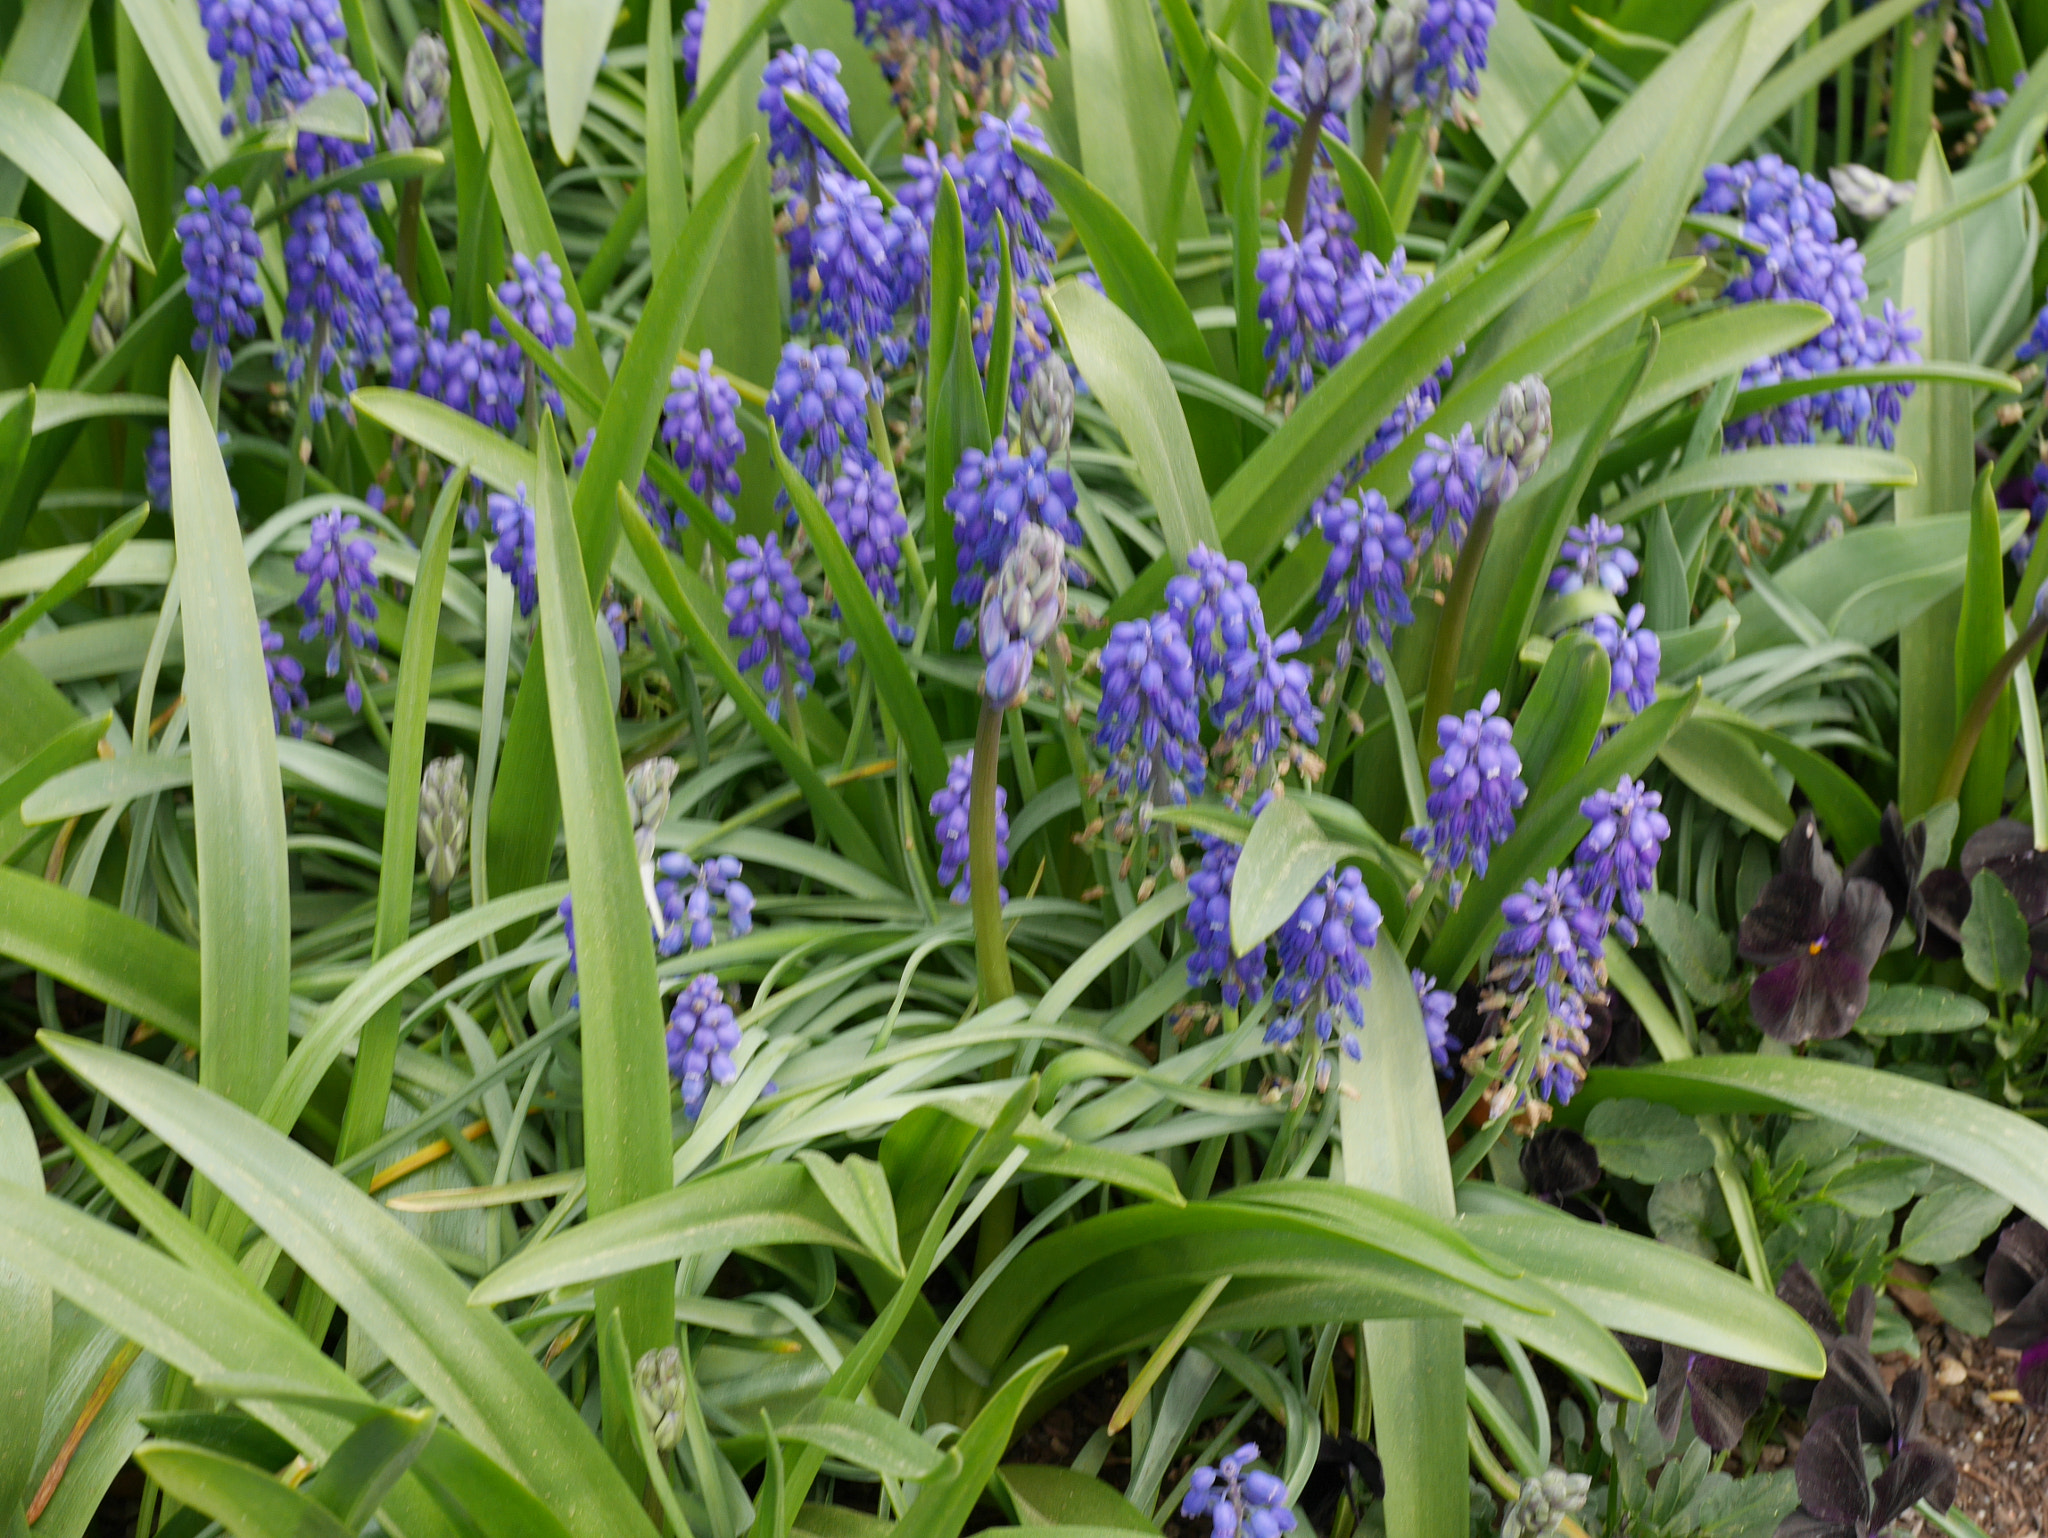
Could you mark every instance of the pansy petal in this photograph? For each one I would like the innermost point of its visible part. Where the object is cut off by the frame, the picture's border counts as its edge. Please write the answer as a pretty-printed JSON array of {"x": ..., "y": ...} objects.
[
  {"x": 1829, "y": 1470},
  {"x": 1861, "y": 923},
  {"x": 1853, "y": 1380},
  {"x": 1725, "y": 1395},
  {"x": 1921, "y": 1472},
  {"x": 1559, "y": 1162},
  {"x": 2032, "y": 1377},
  {"x": 1775, "y": 1001},
  {"x": 1788, "y": 916},
  {"x": 1671, "y": 1386},
  {"x": 1798, "y": 1291},
  {"x": 1909, "y": 1403},
  {"x": 2018, "y": 1265},
  {"x": 2025, "y": 1325},
  {"x": 1994, "y": 845}
]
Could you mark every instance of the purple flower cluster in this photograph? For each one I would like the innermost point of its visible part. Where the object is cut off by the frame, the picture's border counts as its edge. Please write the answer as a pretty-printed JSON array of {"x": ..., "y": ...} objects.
[
  {"x": 1149, "y": 721},
  {"x": 515, "y": 550},
  {"x": 1239, "y": 1500},
  {"x": 688, "y": 890},
  {"x": 1634, "y": 653},
  {"x": 702, "y": 1037},
  {"x": 344, "y": 306},
  {"x": 765, "y": 606},
  {"x": 156, "y": 470},
  {"x": 287, "y": 681},
  {"x": 1791, "y": 216},
  {"x": 1437, "y": 1004},
  {"x": 819, "y": 405},
  {"x": 222, "y": 258},
  {"x": 1445, "y": 484},
  {"x": 1299, "y": 303},
  {"x": 2032, "y": 345},
  {"x": 949, "y": 811},
  {"x": 1429, "y": 51},
  {"x": 1322, "y": 79},
  {"x": 1616, "y": 862},
  {"x": 792, "y": 148},
  {"x": 700, "y": 428},
  {"x": 1323, "y": 962},
  {"x": 536, "y": 295},
  {"x": 483, "y": 378},
  {"x": 977, "y": 33},
  {"x": 1475, "y": 789},
  {"x": 1257, "y": 689},
  {"x": 340, "y": 596},
  {"x": 865, "y": 508},
  {"x": 1364, "y": 592},
  {"x": 994, "y": 495},
  {"x": 273, "y": 42},
  {"x": 1593, "y": 554},
  {"x": 1552, "y": 945},
  {"x": 1208, "y": 925}
]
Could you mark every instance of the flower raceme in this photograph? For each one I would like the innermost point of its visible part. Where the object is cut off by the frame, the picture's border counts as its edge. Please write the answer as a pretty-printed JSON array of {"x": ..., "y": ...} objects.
[
  {"x": 949, "y": 811},
  {"x": 222, "y": 258},
  {"x": 340, "y": 598},
  {"x": 765, "y": 606},
  {"x": 1021, "y": 614},
  {"x": 1475, "y": 790}
]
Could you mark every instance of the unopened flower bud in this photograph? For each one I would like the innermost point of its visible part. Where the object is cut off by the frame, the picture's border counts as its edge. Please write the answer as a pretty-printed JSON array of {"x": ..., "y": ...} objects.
[
  {"x": 1868, "y": 194},
  {"x": 1539, "y": 1511},
  {"x": 1049, "y": 406},
  {"x": 1335, "y": 67},
  {"x": 444, "y": 820},
  {"x": 117, "y": 303},
  {"x": 647, "y": 785},
  {"x": 658, "y": 1385},
  {"x": 1396, "y": 51},
  {"x": 1022, "y": 611},
  {"x": 1516, "y": 437},
  {"x": 425, "y": 90}
]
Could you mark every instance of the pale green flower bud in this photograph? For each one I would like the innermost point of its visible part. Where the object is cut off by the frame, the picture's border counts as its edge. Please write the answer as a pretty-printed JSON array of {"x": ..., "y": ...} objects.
[
  {"x": 1868, "y": 194},
  {"x": 1021, "y": 612},
  {"x": 658, "y": 1385},
  {"x": 1539, "y": 1511},
  {"x": 426, "y": 87},
  {"x": 1516, "y": 438},
  {"x": 444, "y": 821},
  {"x": 1396, "y": 52},
  {"x": 647, "y": 786},
  {"x": 1049, "y": 406}
]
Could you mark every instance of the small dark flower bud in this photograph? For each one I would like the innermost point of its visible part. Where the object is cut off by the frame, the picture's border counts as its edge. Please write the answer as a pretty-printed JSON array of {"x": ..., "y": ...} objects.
[{"x": 1516, "y": 437}]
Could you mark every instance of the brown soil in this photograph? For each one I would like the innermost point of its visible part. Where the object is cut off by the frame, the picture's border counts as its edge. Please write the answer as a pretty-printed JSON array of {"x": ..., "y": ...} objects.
[{"x": 1998, "y": 1444}]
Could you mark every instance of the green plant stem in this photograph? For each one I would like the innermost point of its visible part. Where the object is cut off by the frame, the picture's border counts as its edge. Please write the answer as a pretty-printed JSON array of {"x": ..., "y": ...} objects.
[
  {"x": 991, "y": 955},
  {"x": 1450, "y": 630},
  {"x": 1304, "y": 167},
  {"x": 446, "y": 971},
  {"x": 1379, "y": 129},
  {"x": 1484, "y": 1461},
  {"x": 792, "y": 712},
  {"x": 1978, "y": 716},
  {"x": 409, "y": 236}
]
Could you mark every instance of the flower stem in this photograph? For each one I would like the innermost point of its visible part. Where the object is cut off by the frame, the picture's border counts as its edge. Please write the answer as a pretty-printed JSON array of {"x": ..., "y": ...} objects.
[
  {"x": 1304, "y": 166},
  {"x": 1379, "y": 128},
  {"x": 792, "y": 713},
  {"x": 409, "y": 237},
  {"x": 1450, "y": 630},
  {"x": 991, "y": 955},
  {"x": 1978, "y": 716}
]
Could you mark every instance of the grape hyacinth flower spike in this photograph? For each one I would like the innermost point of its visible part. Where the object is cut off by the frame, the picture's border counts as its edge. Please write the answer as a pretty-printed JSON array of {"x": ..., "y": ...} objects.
[
  {"x": 1515, "y": 438},
  {"x": 1475, "y": 790},
  {"x": 1364, "y": 591},
  {"x": 1634, "y": 654},
  {"x": 702, "y": 1037},
  {"x": 688, "y": 892},
  {"x": 1239, "y": 1500},
  {"x": 539, "y": 300},
  {"x": 1552, "y": 949},
  {"x": 1323, "y": 950},
  {"x": 443, "y": 822},
  {"x": 701, "y": 431},
  {"x": 1149, "y": 721},
  {"x": 1048, "y": 415},
  {"x": 222, "y": 258},
  {"x": 1211, "y": 957},
  {"x": 1593, "y": 555},
  {"x": 1616, "y": 862},
  {"x": 287, "y": 681},
  {"x": 765, "y": 606},
  {"x": 340, "y": 597},
  {"x": 1021, "y": 613},
  {"x": 950, "y": 827}
]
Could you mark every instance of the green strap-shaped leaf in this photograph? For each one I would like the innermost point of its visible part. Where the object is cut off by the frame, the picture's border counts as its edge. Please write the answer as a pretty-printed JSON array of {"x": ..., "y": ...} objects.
[
  {"x": 1979, "y": 643},
  {"x": 73, "y": 171},
  {"x": 944, "y": 1504},
  {"x": 574, "y": 36},
  {"x": 24, "y": 1324},
  {"x": 246, "y": 1501},
  {"x": 392, "y": 1285},
  {"x": 625, "y": 1075},
  {"x": 74, "y": 745},
  {"x": 99, "y": 950},
  {"x": 1284, "y": 856},
  {"x": 1560, "y": 719},
  {"x": 895, "y": 685},
  {"x": 237, "y": 796},
  {"x": 74, "y": 579}
]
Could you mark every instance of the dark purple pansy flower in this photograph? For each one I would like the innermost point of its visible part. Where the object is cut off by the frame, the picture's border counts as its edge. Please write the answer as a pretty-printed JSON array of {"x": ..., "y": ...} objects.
[
  {"x": 1724, "y": 1395},
  {"x": 2006, "y": 849},
  {"x": 1798, "y": 1291},
  {"x": 1838, "y": 1500},
  {"x": 1816, "y": 935},
  {"x": 1894, "y": 862},
  {"x": 2016, "y": 1284},
  {"x": 1559, "y": 1162}
]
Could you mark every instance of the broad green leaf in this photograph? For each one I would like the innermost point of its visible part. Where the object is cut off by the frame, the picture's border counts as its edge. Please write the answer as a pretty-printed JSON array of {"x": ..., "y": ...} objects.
[
  {"x": 1393, "y": 1146},
  {"x": 1979, "y": 643},
  {"x": 237, "y": 798},
  {"x": 24, "y": 1322},
  {"x": 695, "y": 613},
  {"x": 1125, "y": 373},
  {"x": 99, "y": 950},
  {"x": 574, "y": 36},
  {"x": 1936, "y": 433},
  {"x": 944, "y": 1504},
  {"x": 74, "y": 579},
  {"x": 390, "y": 1283},
  {"x": 869, "y": 629},
  {"x": 1802, "y": 465},
  {"x": 1561, "y": 717},
  {"x": 1900, "y": 1009},
  {"x": 1844, "y": 807},
  {"x": 246, "y": 1501},
  {"x": 1696, "y": 948},
  {"x": 446, "y": 432},
  {"x": 1634, "y": 1284},
  {"x": 859, "y": 1194},
  {"x": 1995, "y": 952},
  {"x": 353, "y": 1482},
  {"x": 1999, "y": 1150},
  {"x": 864, "y": 1436},
  {"x": 1047, "y": 1495},
  {"x": 725, "y": 1209},
  {"x": 1950, "y": 1221},
  {"x": 16, "y": 241},
  {"x": 1133, "y": 277},
  {"x": 1127, "y": 111},
  {"x": 1781, "y": 91},
  {"x": 1721, "y": 764},
  {"x": 1284, "y": 857},
  {"x": 625, "y": 1077},
  {"x": 1522, "y": 74},
  {"x": 61, "y": 158},
  {"x": 1645, "y": 1141}
]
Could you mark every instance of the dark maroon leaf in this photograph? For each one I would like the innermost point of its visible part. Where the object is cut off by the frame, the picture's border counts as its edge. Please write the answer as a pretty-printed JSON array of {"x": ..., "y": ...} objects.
[
  {"x": 1921, "y": 1472},
  {"x": 1893, "y": 863},
  {"x": 2018, "y": 1265},
  {"x": 1798, "y": 1291},
  {"x": 1944, "y": 903},
  {"x": 1909, "y": 1403},
  {"x": 1829, "y": 1470},
  {"x": 1859, "y": 1319},
  {"x": 2025, "y": 1325},
  {"x": 1725, "y": 1395},
  {"x": 1853, "y": 1379},
  {"x": 1803, "y": 1524}
]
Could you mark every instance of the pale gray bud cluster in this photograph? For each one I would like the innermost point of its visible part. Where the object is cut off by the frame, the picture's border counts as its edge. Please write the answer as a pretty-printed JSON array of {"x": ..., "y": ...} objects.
[
  {"x": 1396, "y": 51},
  {"x": 424, "y": 91},
  {"x": 116, "y": 307},
  {"x": 1516, "y": 438},
  {"x": 1868, "y": 194},
  {"x": 1539, "y": 1511},
  {"x": 444, "y": 820},
  {"x": 1049, "y": 406},
  {"x": 659, "y": 1387},
  {"x": 1334, "y": 71},
  {"x": 647, "y": 787},
  {"x": 1021, "y": 612}
]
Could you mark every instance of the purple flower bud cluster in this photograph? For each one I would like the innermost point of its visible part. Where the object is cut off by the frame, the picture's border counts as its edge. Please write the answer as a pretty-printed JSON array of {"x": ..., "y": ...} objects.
[
  {"x": 978, "y": 34},
  {"x": 340, "y": 596},
  {"x": 1149, "y": 721},
  {"x": 287, "y": 681},
  {"x": 1593, "y": 554},
  {"x": 1299, "y": 303},
  {"x": 1208, "y": 925},
  {"x": 536, "y": 295},
  {"x": 819, "y": 405},
  {"x": 1437, "y": 1004},
  {"x": 765, "y": 606},
  {"x": 1616, "y": 862},
  {"x": 2032, "y": 345},
  {"x": 1475, "y": 790},
  {"x": 222, "y": 260},
  {"x": 1364, "y": 591},
  {"x": 700, "y": 428},
  {"x": 483, "y": 378},
  {"x": 1294, "y": 84},
  {"x": 864, "y": 505},
  {"x": 344, "y": 306},
  {"x": 1323, "y": 962},
  {"x": 702, "y": 1037},
  {"x": 994, "y": 495},
  {"x": 1552, "y": 945},
  {"x": 273, "y": 42},
  {"x": 1790, "y": 215},
  {"x": 1447, "y": 52},
  {"x": 515, "y": 550},
  {"x": 949, "y": 811},
  {"x": 792, "y": 148},
  {"x": 156, "y": 470},
  {"x": 1239, "y": 1499},
  {"x": 1445, "y": 484},
  {"x": 1634, "y": 654},
  {"x": 687, "y": 893},
  {"x": 851, "y": 272},
  {"x": 1257, "y": 689}
]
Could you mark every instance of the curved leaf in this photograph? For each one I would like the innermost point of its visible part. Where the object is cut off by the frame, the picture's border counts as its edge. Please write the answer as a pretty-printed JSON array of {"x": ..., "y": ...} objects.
[
  {"x": 73, "y": 171},
  {"x": 1284, "y": 856},
  {"x": 99, "y": 950},
  {"x": 246, "y": 1501}
]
